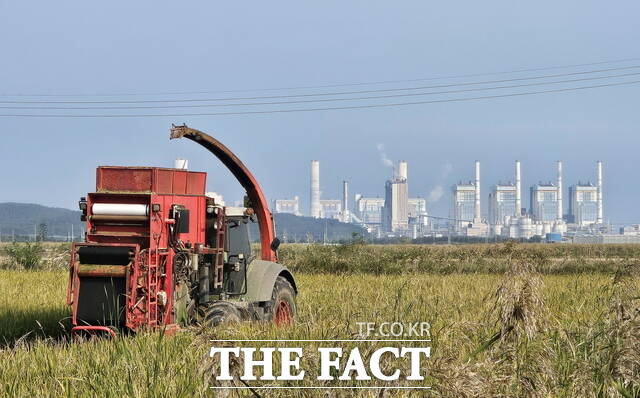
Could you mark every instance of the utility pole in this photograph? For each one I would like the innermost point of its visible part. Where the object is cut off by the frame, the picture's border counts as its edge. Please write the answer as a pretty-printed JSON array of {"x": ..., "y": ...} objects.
[{"x": 324, "y": 239}]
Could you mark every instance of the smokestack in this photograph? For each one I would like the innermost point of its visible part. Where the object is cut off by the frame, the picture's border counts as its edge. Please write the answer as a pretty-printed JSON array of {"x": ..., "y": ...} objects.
[
  {"x": 476, "y": 213},
  {"x": 402, "y": 170},
  {"x": 518, "y": 191},
  {"x": 345, "y": 201},
  {"x": 314, "y": 208},
  {"x": 600, "y": 219},
  {"x": 559, "y": 210}
]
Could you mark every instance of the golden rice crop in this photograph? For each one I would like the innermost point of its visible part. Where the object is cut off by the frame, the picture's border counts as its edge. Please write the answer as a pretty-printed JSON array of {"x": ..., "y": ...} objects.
[{"x": 512, "y": 334}]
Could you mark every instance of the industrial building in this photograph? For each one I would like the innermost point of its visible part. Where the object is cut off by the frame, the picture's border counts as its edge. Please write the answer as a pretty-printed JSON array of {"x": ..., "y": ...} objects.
[
  {"x": 290, "y": 206},
  {"x": 369, "y": 210},
  {"x": 606, "y": 238},
  {"x": 502, "y": 203},
  {"x": 331, "y": 208},
  {"x": 419, "y": 223},
  {"x": 395, "y": 213},
  {"x": 505, "y": 207},
  {"x": 583, "y": 204},
  {"x": 463, "y": 197},
  {"x": 417, "y": 207},
  {"x": 631, "y": 230},
  {"x": 544, "y": 202},
  {"x": 546, "y": 207},
  {"x": 509, "y": 219},
  {"x": 466, "y": 210},
  {"x": 546, "y": 212}
]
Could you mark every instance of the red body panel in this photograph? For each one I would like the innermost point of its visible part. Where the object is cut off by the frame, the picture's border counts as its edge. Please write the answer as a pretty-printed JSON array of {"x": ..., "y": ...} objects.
[
  {"x": 150, "y": 179},
  {"x": 151, "y": 269}
]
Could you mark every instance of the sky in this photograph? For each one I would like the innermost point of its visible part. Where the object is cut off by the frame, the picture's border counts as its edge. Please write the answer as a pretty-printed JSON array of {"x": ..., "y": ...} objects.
[{"x": 122, "y": 48}]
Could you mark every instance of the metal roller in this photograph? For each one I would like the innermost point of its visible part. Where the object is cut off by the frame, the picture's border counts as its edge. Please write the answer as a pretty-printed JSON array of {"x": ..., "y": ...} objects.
[
  {"x": 118, "y": 218},
  {"x": 120, "y": 209},
  {"x": 102, "y": 270},
  {"x": 107, "y": 255}
]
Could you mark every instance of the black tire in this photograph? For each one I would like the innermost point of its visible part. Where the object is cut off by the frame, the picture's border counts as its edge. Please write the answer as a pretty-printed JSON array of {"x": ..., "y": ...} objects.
[
  {"x": 282, "y": 309},
  {"x": 219, "y": 312}
]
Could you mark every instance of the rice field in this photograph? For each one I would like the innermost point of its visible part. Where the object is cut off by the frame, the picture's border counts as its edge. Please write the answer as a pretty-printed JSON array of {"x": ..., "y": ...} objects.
[{"x": 511, "y": 332}]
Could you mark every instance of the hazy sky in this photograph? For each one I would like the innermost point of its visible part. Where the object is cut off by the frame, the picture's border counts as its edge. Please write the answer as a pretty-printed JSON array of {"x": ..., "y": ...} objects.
[{"x": 79, "y": 47}]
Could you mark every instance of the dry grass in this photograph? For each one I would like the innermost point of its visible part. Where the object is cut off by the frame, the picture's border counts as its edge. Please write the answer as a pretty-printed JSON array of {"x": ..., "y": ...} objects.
[
  {"x": 442, "y": 259},
  {"x": 53, "y": 255},
  {"x": 517, "y": 334},
  {"x": 409, "y": 259},
  {"x": 579, "y": 346}
]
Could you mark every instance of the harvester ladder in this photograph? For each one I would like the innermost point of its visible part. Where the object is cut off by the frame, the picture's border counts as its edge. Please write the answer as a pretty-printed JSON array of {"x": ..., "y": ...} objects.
[
  {"x": 152, "y": 289},
  {"x": 218, "y": 260}
]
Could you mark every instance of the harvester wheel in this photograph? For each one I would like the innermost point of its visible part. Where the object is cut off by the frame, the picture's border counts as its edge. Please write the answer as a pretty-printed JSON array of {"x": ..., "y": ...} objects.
[
  {"x": 282, "y": 308},
  {"x": 220, "y": 312}
]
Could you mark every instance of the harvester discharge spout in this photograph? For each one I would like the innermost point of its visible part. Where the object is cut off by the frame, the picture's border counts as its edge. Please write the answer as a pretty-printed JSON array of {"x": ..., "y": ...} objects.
[{"x": 247, "y": 180}]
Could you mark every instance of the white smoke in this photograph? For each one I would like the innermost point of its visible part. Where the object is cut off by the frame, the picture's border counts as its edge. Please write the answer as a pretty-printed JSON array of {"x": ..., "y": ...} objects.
[
  {"x": 383, "y": 156},
  {"x": 436, "y": 193},
  {"x": 446, "y": 170}
]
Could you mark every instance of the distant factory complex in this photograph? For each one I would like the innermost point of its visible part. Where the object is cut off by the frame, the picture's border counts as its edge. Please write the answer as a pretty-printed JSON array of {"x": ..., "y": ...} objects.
[
  {"x": 545, "y": 216},
  {"x": 398, "y": 215}
]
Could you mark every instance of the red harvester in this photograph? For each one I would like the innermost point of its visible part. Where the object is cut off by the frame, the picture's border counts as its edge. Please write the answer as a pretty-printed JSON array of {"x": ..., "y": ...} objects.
[{"x": 161, "y": 253}]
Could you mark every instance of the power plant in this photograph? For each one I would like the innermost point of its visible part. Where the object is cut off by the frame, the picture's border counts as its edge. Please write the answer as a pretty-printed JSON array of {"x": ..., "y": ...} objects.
[
  {"x": 396, "y": 214},
  {"x": 545, "y": 218}
]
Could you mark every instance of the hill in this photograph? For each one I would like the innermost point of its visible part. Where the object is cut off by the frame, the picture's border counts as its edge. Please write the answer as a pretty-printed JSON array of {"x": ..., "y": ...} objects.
[
  {"x": 293, "y": 228},
  {"x": 22, "y": 219}
]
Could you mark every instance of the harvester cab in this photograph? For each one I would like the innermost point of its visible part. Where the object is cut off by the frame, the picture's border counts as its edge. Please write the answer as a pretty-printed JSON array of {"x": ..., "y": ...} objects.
[{"x": 160, "y": 252}]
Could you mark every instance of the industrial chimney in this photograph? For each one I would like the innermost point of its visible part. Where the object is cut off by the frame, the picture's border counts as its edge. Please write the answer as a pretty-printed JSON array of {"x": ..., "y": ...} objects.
[
  {"x": 600, "y": 219},
  {"x": 314, "y": 208},
  {"x": 345, "y": 201},
  {"x": 476, "y": 213},
  {"x": 402, "y": 170},
  {"x": 518, "y": 191},
  {"x": 559, "y": 203}
]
